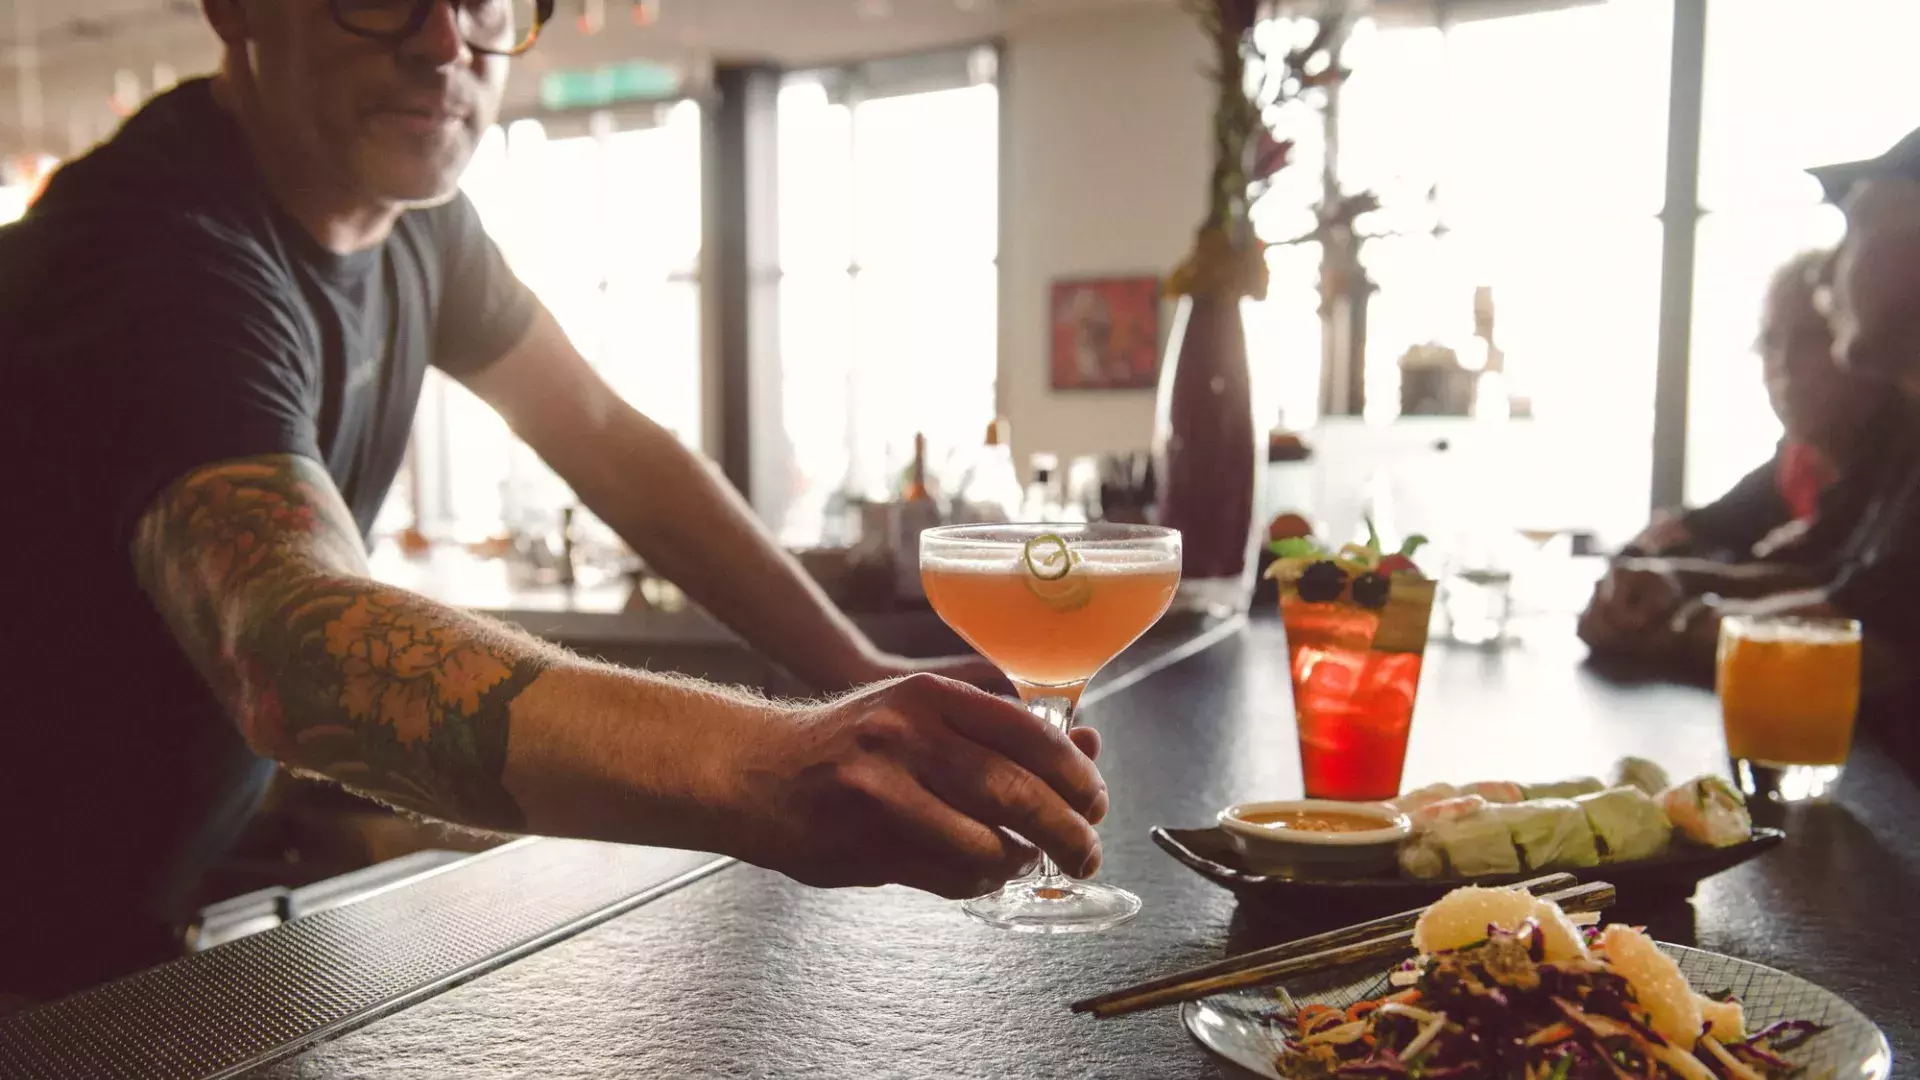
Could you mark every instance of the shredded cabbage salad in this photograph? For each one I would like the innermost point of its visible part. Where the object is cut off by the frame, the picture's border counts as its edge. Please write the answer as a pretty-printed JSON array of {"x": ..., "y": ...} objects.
[{"x": 1497, "y": 1009}]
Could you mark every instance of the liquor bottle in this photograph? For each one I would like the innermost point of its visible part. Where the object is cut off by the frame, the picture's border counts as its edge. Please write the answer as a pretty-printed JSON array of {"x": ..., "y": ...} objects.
[
  {"x": 1042, "y": 499},
  {"x": 1491, "y": 397},
  {"x": 915, "y": 511},
  {"x": 990, "y": 490}
]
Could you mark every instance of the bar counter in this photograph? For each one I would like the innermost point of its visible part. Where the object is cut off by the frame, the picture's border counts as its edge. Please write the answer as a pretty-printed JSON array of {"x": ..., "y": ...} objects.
[{"x": 561, "y": 959}]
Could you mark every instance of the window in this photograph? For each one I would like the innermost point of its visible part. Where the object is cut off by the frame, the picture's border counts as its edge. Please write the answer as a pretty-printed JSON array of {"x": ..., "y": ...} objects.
[
  {"x": 1525, "y": 154},
  {"x": 13, "y": 203},
  {"x": 889, "y": 232},
  {"x": 1762, "y": 124},
  {"x": 21, "y": 181},
  {"x": 601, "y": 218}
]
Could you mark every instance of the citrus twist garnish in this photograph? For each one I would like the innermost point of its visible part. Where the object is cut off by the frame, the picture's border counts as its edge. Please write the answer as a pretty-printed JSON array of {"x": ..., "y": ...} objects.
[
  {"x": 1049, "y": 574},
  {"x": 1047, "y": 557}
]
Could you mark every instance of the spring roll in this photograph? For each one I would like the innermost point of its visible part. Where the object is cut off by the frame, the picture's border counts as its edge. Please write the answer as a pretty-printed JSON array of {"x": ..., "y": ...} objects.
[
  {"x": 1565, "y": 789},
  {"x": 1446, "y": 810},
  {"x": 1414, "y": 800},
  {"x": 1627, "y": 823},
  {"x": 1477, "y": 844},
  {"x": 1639, "y": 772},
  {"x": 1552, "y": 834},
  {"x": 1422, "y": 857},
  {"x": 1707, "y": 810},
  {"x": 1496, "y": 791}
]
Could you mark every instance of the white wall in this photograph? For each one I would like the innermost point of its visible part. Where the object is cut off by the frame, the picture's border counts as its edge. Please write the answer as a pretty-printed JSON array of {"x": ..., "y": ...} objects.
[{"x": 1106, "y": 132}]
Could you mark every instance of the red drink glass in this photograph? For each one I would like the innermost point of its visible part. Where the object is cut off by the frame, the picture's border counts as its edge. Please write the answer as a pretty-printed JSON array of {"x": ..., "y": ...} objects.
[{"x": 1356, "y": 671}]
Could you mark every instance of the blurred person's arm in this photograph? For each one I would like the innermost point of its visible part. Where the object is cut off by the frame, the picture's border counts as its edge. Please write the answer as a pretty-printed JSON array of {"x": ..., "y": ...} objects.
[
  {"x": 1735, "y": 521},
  {"x": 1696, "y": 577},
  {"x": 681, "y": 516},
  {"x": 1665, "y": 532},
  {"x": 257, "y": 568},
  {"x": 1634, "y": 605}
]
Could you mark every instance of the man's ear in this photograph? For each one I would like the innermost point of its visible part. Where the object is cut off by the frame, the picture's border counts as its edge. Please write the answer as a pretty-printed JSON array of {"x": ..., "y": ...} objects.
[{"x": 228, "y": 19}]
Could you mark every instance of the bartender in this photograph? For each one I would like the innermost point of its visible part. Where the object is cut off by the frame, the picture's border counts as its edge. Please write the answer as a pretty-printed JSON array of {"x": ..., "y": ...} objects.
[{"x": 215, "y": 327}]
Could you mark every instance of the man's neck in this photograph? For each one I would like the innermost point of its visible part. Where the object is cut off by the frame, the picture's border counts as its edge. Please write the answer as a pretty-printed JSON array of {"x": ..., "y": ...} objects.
[{"x": 338, "y": 221}]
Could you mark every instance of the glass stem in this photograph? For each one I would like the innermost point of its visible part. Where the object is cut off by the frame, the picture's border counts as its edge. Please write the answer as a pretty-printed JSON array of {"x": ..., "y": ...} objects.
[{"x": 1057, "y": 711}]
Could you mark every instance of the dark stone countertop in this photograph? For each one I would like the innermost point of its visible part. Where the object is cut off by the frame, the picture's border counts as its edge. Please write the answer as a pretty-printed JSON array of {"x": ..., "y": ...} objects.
[{"x": 745, "y": 973}]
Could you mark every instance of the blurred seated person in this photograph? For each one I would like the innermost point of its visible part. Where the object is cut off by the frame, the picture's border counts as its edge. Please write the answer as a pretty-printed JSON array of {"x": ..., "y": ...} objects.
[
  {"x": 1670, "y": 609},
  {"x": 1784, "y": 523},
  {"x": 1819, "y": 408}
]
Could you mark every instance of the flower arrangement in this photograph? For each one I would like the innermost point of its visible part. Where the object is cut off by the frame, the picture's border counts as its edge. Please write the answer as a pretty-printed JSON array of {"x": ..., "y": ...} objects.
[{"x": 1252, "y": 88}]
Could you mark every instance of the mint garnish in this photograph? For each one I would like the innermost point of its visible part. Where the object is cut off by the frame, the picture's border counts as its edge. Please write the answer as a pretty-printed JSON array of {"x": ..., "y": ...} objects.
[{"x": 1299, "y": 547}]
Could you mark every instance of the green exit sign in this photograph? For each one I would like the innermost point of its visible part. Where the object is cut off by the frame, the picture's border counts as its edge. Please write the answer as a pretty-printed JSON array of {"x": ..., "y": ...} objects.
[{"x": 634, "y": 80}]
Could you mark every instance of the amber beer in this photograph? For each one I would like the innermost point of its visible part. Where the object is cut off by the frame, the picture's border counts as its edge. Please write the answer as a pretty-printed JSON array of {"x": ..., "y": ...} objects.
[
  {"x": 1052, "y": 635},
  {"x": 1789, "y": 690}
]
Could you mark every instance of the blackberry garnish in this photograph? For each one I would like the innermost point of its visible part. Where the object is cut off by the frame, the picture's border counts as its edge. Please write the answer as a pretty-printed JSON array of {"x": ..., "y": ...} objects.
[
  {"x": 1322, "y": 583},
  {"x": 1370, "y": 590}
]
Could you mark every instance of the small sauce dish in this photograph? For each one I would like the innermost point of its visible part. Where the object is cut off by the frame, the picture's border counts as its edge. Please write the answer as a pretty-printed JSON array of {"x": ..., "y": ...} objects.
[{"x": 1316, "y": 838}]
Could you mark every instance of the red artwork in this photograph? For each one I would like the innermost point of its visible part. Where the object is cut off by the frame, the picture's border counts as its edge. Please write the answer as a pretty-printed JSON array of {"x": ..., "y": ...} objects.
[{"x": 1106, "y": 333}]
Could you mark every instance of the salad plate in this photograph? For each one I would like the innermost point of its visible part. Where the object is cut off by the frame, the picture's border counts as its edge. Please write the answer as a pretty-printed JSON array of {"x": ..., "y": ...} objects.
[{"x": 1248, "y": 1027}]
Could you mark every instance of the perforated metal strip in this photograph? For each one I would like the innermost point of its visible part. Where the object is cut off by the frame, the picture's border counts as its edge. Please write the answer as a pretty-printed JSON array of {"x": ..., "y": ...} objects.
[{"x": 230, "y": 1009}]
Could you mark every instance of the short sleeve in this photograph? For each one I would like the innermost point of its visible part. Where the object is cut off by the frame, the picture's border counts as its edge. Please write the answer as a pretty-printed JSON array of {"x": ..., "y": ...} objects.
[
  {"x": 485, "y": 309},
  {"x": 152, "y": 350}
]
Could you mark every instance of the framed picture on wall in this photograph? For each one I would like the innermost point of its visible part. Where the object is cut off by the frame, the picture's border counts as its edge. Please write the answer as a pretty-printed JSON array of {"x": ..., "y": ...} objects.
[{"x": 1105, "y": 333}]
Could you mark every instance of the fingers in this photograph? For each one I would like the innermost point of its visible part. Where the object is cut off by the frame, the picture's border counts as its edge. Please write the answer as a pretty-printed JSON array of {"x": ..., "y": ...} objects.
[
  {"x": 1088, "y": 740},
  {"x": 1638, "y": 592},
  {"x": 1629, "y": 601},
  {"x": 940, "y": 848},
  {"x": 1012, "y": 731},
  {"x": 995, "y": 791},
  {"x": 943, "y": 879},
  {"x": 1603, "y": 628}
]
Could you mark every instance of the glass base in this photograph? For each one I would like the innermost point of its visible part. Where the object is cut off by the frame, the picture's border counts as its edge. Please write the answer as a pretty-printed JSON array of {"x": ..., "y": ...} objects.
[
  {"x": 1785, "y": 783},
  {"x": 1070, "y": 907}
]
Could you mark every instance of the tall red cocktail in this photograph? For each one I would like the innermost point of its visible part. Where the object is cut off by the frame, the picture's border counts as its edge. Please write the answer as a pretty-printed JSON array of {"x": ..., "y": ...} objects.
[{"x": 1356, "y": 633}]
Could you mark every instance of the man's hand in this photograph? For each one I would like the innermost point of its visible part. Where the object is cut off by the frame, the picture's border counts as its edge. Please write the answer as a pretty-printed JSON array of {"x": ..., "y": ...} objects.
[
  {"x": 1631, "y": 608},
  {"x": 972, "y": 669},
  {"x": 922, "y": 782}
]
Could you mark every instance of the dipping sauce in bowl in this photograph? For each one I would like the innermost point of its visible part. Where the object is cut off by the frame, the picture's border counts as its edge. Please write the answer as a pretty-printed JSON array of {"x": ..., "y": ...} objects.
[
  {"x": 1318, "y": 821},
  {"x": 1316, "y": 837}
]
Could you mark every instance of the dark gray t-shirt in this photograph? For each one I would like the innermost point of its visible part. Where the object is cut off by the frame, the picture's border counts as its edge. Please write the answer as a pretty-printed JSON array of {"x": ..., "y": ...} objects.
[{"x": 159, "y": 313}]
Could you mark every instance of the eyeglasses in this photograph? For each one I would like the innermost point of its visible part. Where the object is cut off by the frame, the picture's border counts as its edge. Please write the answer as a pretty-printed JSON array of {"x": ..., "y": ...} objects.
[{"x": 493, "y": 27}]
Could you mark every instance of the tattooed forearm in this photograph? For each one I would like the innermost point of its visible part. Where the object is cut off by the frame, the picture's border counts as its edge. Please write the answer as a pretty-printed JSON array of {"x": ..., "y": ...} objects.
[{"x": 257, "y": 567}]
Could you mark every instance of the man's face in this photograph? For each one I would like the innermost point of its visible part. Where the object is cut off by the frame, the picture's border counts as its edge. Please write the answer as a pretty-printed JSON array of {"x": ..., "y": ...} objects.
[
  {"x": 1796, "y": 355},
  {"x": 1817, "y": 402},
  {"x": 390, "y": 122},
  {"x": 1874, "y": 304}
]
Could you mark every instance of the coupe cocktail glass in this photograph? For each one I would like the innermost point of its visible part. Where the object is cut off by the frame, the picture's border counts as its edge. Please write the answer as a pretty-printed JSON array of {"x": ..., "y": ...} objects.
[{"x": 1050, "y": 604}]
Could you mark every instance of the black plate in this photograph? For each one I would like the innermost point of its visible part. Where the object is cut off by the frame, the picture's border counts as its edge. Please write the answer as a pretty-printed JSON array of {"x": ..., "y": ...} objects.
[{"x": 1673, "y": 875}]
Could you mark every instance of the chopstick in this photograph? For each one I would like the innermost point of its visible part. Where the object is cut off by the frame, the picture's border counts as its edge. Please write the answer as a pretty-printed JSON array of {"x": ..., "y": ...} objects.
[
  {"x": 1187, "y": 986},
  {"x": 1345, "y": 935}
]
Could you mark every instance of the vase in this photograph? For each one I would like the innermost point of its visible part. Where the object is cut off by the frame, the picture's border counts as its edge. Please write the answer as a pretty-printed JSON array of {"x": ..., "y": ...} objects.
[{"x": 1206, "y": 455}]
